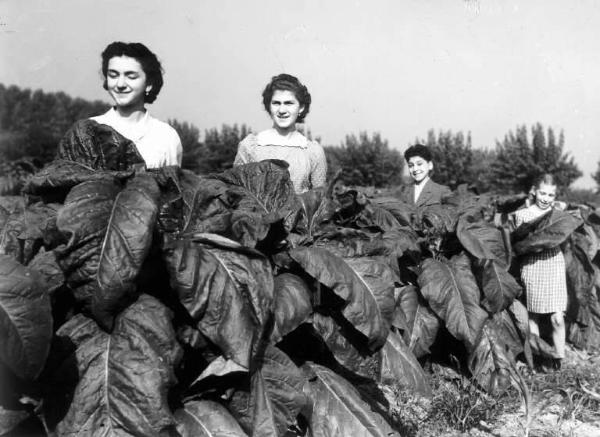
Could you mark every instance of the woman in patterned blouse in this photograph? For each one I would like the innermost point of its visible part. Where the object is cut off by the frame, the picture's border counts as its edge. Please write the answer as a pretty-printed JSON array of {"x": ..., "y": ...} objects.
[{"x": 287, "y": 101}]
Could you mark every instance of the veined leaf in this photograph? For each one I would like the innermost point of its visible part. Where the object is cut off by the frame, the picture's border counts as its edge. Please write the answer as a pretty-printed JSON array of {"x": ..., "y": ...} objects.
[
  {"x": 207, "y": 419},
  {"x": 481, "y": 239},
  {"x": 452, "y": 293},
  {"x": 316, "y": 208},
  {"x": 46, "y": 265},
  {"x": 547, "y": 232},
  {"x": 423, "y": 324},
  {"x": 25, "y": 319},
  {"x": 125, "y": 246},
  {"x": 338, "y": 409},
  {"x": 293, "y": 304},
  {"x": 499, "y": 288},
  {"x": 400, "y": 366},
  {"x": 229, "y": 294},
  {"x": 276, "y": 396},
  {"x": 365, "y": 285},
  {"x": 124, "y": 377}
]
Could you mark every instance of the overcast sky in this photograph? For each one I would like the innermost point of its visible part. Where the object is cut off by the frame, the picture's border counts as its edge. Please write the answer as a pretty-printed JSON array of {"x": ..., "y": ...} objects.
[{"x": 396, "y": 67}]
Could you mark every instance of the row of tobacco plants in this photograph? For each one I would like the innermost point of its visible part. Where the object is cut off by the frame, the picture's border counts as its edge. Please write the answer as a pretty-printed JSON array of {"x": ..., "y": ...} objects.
[{"x": 148, "y": 303}]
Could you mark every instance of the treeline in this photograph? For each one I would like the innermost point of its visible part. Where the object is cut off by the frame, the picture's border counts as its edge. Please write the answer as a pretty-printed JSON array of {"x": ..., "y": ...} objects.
[{"x": 32, "y": 124}]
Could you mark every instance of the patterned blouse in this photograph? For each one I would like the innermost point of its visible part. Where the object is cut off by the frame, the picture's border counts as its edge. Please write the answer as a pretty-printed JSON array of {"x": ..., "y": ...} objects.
[{"x": 306, "y": 159}]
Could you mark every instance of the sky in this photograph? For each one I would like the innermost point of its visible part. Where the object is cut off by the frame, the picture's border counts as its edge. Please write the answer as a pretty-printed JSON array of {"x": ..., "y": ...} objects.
[{"x": 398, "y": 67}]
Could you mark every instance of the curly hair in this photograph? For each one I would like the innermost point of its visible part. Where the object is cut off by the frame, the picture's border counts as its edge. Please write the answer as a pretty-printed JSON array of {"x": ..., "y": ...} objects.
[
  {"x": 418, "y": 150},
  {"x": 148, "y": 60},
  {"x": 287, "y": 82}
]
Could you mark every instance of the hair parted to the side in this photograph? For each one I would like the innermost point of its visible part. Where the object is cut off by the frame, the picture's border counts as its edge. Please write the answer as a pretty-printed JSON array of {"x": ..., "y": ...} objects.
[
  {"x": 148, "y": 60},
  {"x": 287, "y": 82},
  {"x": 418, "y": 150},
  {"x": 544, "y": 178}
]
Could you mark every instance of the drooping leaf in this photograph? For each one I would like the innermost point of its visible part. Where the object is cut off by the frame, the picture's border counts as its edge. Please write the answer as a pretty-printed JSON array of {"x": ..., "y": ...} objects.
[
  {"x": 316, "y": 209},
  {"x": 275, "y": 398},
  {"x": 400, "y": 366},
  {"x": 293, "y": 304},
  {"x": 229, "y": 294},
  {"x": 99, "y": 146},
  {"x": 125, "y": 246},
  {"x": 546, "y": 232},
  {"x": 365, "y": 285},
  {"x": 400, "y": 210},
  {"x": 123, "y": 377},
  {"x": 206, "y": 419},
  {"x": 338, "y": 409},
  {"x": 423, "y": 324},
  {"x": 265, "y": 188},
  {"x": 46, "y": 265},
  {"x": 534, "y": 344},
  {"x": 498, "y": 287},
  {"x": 62, "y": 175},
  {"x": 481, "y": 239},
  {"x": 452, "y": 293},
  {"x": 438, "y": 219},
  {"x": 25, "y": 319}
]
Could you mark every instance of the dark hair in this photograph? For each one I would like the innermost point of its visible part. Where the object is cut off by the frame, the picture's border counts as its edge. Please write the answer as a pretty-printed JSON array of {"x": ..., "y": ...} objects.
[
  {"x": 545, "y": 178},
  {"x": 148, "y": 60},
  {"x": 418, "y": 150},
  {"x": 287, "y": 82}
]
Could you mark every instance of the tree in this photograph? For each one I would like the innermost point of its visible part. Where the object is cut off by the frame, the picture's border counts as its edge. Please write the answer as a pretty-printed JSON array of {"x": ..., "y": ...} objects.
[
  {"x": 366, "y": 161},
  {"x": 596, "y": 176},
  {"x": 190, "y": 142},
  {"x": 220, "y": 146},
  {"x": 518, "y": 162}
]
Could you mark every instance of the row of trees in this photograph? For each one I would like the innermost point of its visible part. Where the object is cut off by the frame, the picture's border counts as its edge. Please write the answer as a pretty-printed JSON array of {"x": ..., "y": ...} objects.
[{"x": 32, "y": 123}]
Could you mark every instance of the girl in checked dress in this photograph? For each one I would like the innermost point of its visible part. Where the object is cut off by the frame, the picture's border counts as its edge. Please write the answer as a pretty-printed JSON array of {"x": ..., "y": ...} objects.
[{"x": 543, "y": 274}]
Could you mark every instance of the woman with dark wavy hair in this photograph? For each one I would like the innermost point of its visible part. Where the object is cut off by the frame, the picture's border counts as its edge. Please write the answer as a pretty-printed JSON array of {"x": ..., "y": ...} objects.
[
  {"x": 287, "y": 102},
  {"x": 133, "y": 77}
]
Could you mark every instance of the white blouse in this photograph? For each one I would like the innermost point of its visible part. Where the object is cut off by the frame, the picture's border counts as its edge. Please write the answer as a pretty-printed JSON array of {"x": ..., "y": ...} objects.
[{"x": 157, "y": 142}]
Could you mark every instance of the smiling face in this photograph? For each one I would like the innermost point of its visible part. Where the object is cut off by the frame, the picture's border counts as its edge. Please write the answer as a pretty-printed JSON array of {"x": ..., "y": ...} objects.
[
  {"x": 545, "y": 195},
  {"x": 284, "y": 110},
  {"x": 419, "y": 168},
  {"x": 126, "y": 82}
]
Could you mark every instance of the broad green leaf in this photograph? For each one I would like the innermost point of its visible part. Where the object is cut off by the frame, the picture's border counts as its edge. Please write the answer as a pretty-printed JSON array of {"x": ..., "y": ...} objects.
[
  {"x": 498, "y": 287},
  {"x": 25, "y": 319},
  {"x": 481, "y": 239},
  {"x": 124, "y": 247},
  {"x": 452, "y": 293},
  {"x": 338, "y": 409},
  {"x": 400, "y": 366},
  {"x": 229, "y": 294},
  {"x": 206, "y": 419},
  {"x": 293, "y": 304},
  {"x": 547, "y": 232},
  {"x": 275, "y": 398},
  {"x": 422, "y": 324},
  {"x": 365, "y": 285},
  {"x": 123, "y": 377}
]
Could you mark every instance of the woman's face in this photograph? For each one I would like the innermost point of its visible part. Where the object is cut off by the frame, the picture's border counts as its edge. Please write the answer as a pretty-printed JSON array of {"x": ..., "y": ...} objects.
[
  {"x": 126, "y": 82},
  {"x": 419, "y": 168},
  {"x": 545, "y": 195},
  {"x": 284, "y": 109}
]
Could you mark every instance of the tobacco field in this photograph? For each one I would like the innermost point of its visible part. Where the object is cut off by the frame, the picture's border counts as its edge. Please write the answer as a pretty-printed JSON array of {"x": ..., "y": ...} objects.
[{"x": 163, "y": 303}]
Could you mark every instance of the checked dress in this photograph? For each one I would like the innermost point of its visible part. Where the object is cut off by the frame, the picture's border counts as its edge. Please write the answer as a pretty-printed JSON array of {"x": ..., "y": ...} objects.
[{"x": 543, "y": 274}]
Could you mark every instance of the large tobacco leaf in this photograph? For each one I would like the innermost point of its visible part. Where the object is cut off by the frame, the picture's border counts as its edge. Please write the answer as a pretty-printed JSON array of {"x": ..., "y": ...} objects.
[
  {"x": 60, "y": 175},
  {"x": 99, "y": 146},
  {"x": 228, "y": 293},
  {"x": 293, "y": 305},
  {"x": 498, "y": 287},
  {"x": 25, "y": 319},
  {"x": 423, "y": 325},
  {"x": 438, "y": 219},
  {"x": 206, "y": 418},
  {"x": 316, "y": 208},
  {"x": 546, "y": 232},
  {"x": 46, "y": 265},
  {"x": 452, "y": 292},
  {"x": 125, "y": 246},
  {"x": 365, "y": 285},
  {"x": 481, "y": 239},
  {"x": 264, "y": 188},
  {"x": 400, "y": 366},
  {"x": 122, "y": 378},
  {"x": 382, "y": 206},
  {"x": 275, "y": 398},
  {"x": 338, "y": 409}
]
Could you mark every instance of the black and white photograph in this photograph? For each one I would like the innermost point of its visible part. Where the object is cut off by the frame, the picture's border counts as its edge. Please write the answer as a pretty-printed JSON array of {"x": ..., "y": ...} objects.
[{"x": 329, "y": 218}]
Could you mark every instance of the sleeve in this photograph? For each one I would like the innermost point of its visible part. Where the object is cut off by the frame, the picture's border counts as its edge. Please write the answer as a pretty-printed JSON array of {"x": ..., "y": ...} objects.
[
  {"x": 244, "y": 153},
  {"x": 318, "y": 165},
  {"x": 178, "y": 150}
]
